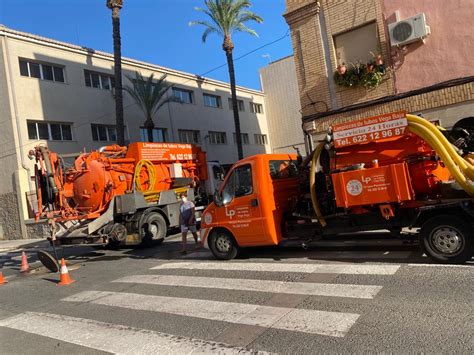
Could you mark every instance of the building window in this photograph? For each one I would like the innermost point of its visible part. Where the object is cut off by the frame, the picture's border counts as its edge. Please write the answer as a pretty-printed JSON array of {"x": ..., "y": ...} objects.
[
  {"x": 256, "y": 108},
  {"x": 244, "y": 137},
  {"x": 99, "y": 80},
  {"x": 159, "y": 135},
  {"x": 104, "y": 133},
  {"x": 217, "y": 137},
  {"x": 50, "y": 131},
  {"x": 189, "y": 136},
  {"x": 212, "y": 101},
  {"x": 356, "y": 44},
  {"x": 41, "y": 71},
  {"x": 240, "y": 105},
  {"x": 261, "y": 139},
  {"x": 184, "y": 96}
]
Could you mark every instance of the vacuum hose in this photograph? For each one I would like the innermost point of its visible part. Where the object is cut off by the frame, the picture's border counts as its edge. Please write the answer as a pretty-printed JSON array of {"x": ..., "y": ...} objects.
[
  {"x": 151, "y": 176},
  {"x": 312, "y": 183},
  {"x": 461, "y": 170}
]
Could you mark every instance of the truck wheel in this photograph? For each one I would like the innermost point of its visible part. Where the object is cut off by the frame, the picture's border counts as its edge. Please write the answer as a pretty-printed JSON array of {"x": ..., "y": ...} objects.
[
  {"x": 223, "y": 245},
  {"x": 153, "y": 229},
  {"x": 447, "y": 239}
]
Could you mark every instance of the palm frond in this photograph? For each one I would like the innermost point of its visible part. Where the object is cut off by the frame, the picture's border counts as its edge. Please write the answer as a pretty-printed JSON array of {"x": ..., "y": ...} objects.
[
  {"x": 147, "y": 93},
  {"x": 226, "y": 17}
]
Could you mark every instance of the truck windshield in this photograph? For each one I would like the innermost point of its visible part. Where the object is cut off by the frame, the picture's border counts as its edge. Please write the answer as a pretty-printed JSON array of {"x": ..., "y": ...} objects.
[
  {"x": 239, "y": 184},
  {"x": 282, "y": 169}
]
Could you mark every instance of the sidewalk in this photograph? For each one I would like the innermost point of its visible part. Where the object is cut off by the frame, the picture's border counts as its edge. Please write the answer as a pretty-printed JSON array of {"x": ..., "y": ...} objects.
[{"x": 22, "y": 244}]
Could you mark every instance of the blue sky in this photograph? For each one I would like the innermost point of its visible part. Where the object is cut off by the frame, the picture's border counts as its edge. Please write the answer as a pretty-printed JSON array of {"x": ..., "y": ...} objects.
[{"x": 154, "y": 31}]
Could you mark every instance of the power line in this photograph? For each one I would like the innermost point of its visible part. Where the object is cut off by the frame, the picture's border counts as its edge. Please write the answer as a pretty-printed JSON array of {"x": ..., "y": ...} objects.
[{"x": 99, "y": 118}]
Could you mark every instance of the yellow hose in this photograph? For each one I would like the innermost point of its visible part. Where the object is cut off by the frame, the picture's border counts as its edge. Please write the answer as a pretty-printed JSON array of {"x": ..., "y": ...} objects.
[
  {"x": 151, "y": 174},
  {"x": 441, "y": 149},
  {"x": 312, "y": 184},
  {"x": 465, "y": 166}
]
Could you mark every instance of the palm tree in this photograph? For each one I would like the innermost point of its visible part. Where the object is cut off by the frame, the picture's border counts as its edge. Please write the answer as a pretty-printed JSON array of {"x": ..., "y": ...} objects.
[
  {"x": 115, "y": 6},
  {"x": 227, "y": 17},
  {"x": 150, "y": 96}
]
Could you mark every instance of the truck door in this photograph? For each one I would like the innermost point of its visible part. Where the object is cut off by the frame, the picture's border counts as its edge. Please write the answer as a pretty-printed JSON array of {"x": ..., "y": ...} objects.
[{"x": 241, "y": 207}]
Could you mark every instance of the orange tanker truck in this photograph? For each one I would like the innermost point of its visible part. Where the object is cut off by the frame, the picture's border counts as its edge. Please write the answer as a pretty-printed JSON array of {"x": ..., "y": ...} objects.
[
  {"x": 120, "y": 195},
  {"x": 386, "y": 172}
]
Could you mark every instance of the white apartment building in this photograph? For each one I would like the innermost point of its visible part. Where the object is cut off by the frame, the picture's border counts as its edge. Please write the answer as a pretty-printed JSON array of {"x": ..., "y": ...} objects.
[
  {"x": 282, "y": 104},
  {"x": 61, "y": 95}
]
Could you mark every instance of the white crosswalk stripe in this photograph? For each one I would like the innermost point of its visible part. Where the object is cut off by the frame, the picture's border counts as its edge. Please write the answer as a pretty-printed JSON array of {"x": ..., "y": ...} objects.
[
  {"x": 351, "y": 269},
  {"x": 113, "y": 338},
  {"x": 122, "y": 339},
  {"x": 299, "y": 288},
  {"x": 309, "y": 321}
]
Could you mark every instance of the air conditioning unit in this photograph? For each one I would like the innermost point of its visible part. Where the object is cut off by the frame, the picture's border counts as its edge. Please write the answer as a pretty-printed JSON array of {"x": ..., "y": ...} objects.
[{"x": 409, "y": 30}]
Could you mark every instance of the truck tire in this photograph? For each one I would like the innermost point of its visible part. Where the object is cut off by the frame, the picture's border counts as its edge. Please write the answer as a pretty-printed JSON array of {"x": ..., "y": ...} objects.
[
  {"x": 447, "y": 239},
  {"x": 223, "y": 245},
  {"x": 153, "y": 229}
]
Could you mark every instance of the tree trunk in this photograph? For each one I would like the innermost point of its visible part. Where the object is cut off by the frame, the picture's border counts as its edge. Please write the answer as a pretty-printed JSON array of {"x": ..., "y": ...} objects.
[
  {"x": 149, "y": 125},
  {"x": 150, "y": 134},
  {"x": 235, "y": 108},
  {"x": 118, "y": 77}
]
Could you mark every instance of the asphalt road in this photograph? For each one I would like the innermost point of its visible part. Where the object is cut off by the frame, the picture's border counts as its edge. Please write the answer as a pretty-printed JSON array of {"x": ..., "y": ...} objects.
[{"x": 370, "y": 296}]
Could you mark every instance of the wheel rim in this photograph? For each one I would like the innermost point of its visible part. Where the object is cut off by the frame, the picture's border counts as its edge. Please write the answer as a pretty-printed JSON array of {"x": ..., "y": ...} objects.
[
  {"x": 223, "y": 243},
  {"x": 153, "y": 229},
  {"x": 447, "y": 240}
]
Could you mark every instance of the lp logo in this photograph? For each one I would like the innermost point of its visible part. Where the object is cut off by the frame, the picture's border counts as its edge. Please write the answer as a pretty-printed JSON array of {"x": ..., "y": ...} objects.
[
  {"x": 366, "y": 179},
  {"x": 229, "y": 213}
]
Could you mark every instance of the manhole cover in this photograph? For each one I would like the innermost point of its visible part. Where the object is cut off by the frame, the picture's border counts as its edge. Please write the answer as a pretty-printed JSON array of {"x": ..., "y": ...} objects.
[{"x": 48, "y": 261}]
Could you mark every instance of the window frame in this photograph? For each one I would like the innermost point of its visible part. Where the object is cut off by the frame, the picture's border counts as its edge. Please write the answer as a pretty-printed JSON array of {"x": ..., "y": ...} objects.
[
  {"x": 245, "y": 138},
  {"x": 232, "y": 180},
  {"x": 260, "y": 139},
  {"x": 50, "y": 133},
  {"x": 217, "y": 97},
  {"x": 190, "y": 94},
  {"x": 111, "y": 81},
  {"x": 253, "y": 108},
  {"x": 277, "y": 175},
  {"x": 240, "y": 104},
  {"x": 187, "y": 132},
  {"x": 53, "y": 66},
  {"x": 213, "y": 135},
  {"x": 163, "y": 130}
]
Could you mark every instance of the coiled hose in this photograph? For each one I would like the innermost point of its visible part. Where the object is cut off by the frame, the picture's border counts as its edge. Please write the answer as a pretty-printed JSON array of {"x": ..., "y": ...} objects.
[{"x": 151, "y": 176}]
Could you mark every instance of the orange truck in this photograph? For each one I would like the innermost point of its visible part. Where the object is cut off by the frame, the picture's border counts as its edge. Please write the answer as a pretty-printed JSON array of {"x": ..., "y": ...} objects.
[
  {"x": 387, "y": 172},
  {"x": 120, "y": 195}
]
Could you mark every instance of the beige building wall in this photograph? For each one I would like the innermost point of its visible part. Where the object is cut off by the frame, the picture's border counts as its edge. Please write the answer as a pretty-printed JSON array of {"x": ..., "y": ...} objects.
[
  {"x": 283, "y": 107},
  {"x": 24, "y": 98}
]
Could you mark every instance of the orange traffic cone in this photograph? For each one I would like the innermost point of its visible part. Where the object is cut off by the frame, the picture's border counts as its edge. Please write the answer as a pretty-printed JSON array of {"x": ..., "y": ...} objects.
[
  {"x": 64, "y": 278},
  {"x": 24, "y": 263},
  {"x": 2, "y": 279}
]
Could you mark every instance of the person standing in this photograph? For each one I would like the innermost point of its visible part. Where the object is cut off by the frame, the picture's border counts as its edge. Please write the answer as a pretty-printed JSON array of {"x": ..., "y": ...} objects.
[{"x": 187, "y": 220}]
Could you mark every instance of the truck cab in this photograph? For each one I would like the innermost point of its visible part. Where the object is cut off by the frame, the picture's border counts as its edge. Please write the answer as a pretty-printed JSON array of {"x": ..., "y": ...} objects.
[{"x": 248, "y": 208}]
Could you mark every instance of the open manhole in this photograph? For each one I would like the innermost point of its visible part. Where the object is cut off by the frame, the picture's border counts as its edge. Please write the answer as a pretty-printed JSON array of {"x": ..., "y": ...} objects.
[{"x": 48, "y": 260}]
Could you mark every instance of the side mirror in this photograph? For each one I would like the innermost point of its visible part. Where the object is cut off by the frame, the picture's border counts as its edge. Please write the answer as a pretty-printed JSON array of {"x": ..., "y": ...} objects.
[{"x": 217, "y": 199}]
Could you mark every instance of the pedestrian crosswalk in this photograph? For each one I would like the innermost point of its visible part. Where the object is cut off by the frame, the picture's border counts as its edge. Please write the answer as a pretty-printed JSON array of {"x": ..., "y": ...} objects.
[
  {"x": 112, "y": 338},
  {"x": 123, "y": 339},
  {"x": 307, "y": 268},
  {"x": 298, "y": 288}
]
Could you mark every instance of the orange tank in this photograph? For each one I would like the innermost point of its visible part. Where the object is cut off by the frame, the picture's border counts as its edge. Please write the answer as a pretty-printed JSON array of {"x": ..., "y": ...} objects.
[{"x": 86, "y": 189}]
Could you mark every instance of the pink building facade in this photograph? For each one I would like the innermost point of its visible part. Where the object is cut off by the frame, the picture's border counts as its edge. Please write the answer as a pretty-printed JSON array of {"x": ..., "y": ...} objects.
[{"x": 446, "y": 53}]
